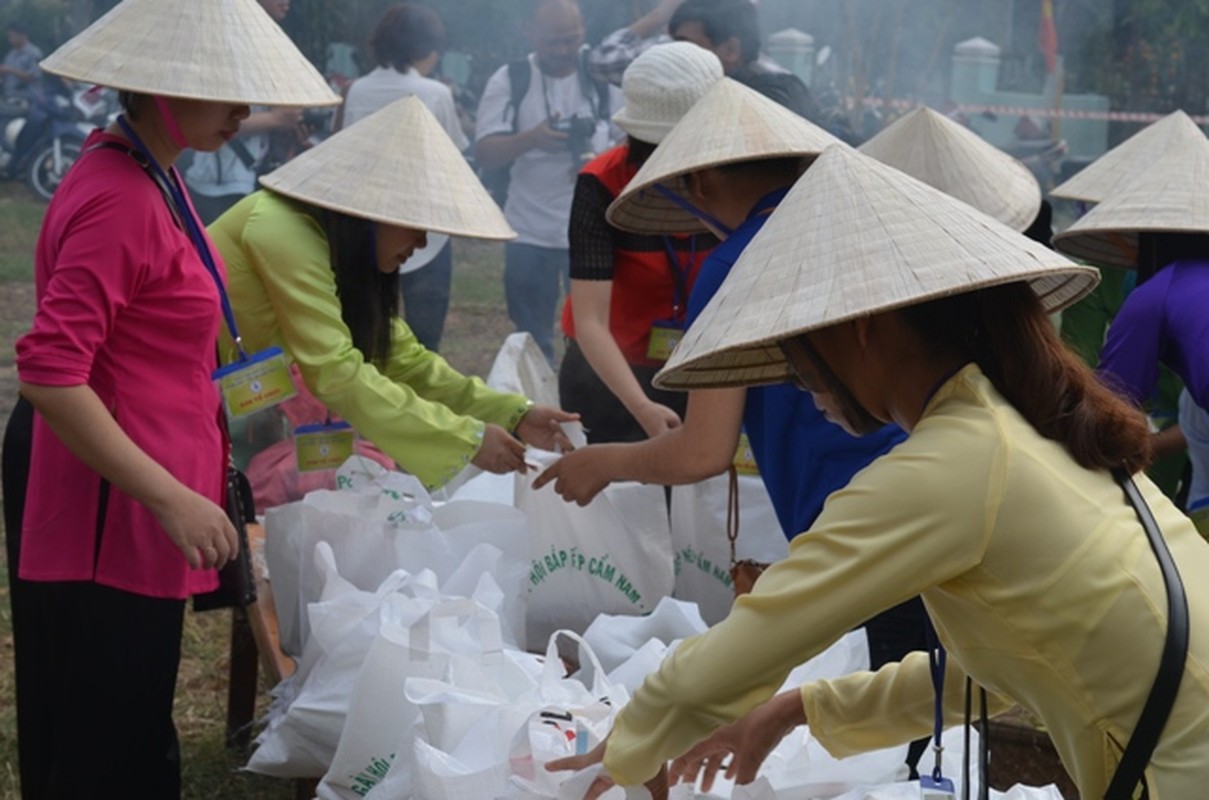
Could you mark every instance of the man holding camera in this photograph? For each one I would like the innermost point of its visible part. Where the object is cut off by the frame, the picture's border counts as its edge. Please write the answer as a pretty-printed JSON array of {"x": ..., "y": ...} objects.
[{"x": 545, "y": 133}]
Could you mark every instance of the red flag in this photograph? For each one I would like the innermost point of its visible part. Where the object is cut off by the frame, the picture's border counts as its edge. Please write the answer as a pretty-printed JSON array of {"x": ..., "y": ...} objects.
[{"x": 1047, "y": 36}]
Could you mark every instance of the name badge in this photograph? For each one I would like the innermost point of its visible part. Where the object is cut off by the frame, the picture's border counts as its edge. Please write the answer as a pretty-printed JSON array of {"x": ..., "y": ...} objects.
[
  {"x": 262, "y": 381},
  {"x": 936, "y": 789},
  {"x": 321, "y": 447},
  {"x": 745, "y": 460},
  {"x": 664, "y": 338}
]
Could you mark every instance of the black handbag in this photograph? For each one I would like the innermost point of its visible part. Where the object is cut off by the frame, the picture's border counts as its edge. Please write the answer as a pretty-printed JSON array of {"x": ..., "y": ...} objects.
[
  {"x": 1132, "y": 769},
  {"x": 236, "y": 581}
]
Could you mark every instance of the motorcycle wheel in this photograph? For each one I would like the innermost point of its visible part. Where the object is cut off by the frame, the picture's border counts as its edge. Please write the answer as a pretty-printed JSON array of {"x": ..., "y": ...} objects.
[{"x": 47, "y": 168}]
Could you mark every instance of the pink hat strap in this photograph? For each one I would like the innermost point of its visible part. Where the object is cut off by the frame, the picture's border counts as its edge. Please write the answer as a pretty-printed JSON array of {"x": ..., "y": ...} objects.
[{"x": 174, "y": 129}]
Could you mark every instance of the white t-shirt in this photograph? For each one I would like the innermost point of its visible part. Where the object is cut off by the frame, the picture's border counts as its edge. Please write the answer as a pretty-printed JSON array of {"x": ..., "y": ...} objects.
[
  {"x": 542, "y": 183},
  {"x": 223, "y": 172},
  {"x": 385, "y": 85}
]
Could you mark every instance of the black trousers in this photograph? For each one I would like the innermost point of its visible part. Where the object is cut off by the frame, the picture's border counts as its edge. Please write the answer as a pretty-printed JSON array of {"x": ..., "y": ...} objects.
[
  {"x": 95, "y": 672},
  {"x": 604, "y": 417},
  {"x": 892, "y": 634}
]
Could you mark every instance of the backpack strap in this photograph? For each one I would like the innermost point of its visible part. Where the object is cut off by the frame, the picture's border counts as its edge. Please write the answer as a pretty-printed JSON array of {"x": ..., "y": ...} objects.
[
  {"x": 520, "y": 75},
  {"x": 595, "y": 89}
]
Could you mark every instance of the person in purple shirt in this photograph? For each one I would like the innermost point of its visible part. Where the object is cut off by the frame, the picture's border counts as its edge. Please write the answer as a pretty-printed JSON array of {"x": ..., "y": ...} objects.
[
  {"x": 1152, "y": 223},
  {"x": 1165, "y": 320}
]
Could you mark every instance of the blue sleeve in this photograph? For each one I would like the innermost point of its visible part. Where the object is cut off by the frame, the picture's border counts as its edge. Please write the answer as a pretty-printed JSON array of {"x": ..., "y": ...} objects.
[
  {"x": 1129, "y": 361},
  {"x": 713, "y": 272}
]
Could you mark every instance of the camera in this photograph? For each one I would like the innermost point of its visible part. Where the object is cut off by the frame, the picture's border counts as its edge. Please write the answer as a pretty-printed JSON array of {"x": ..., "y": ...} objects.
[{"x": 580, "y": 130}]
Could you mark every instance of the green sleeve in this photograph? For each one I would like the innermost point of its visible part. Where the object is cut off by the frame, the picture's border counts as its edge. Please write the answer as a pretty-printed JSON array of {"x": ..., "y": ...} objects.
[
  {"x": 1085, "y": 323},
  {"x": 419, "y": 411},
  {"x": 431, "y": 377}
]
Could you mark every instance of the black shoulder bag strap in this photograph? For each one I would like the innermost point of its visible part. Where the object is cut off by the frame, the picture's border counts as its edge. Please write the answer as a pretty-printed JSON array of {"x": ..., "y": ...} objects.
[
  {"x": 520, "y": 76},
  {"x": 1131, "y": 771}
]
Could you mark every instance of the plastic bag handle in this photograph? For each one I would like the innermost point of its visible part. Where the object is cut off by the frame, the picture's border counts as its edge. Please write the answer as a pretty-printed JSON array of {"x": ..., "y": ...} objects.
[
  {"x": 419, "y": 635},
  {"x": 552, "y": 668}
]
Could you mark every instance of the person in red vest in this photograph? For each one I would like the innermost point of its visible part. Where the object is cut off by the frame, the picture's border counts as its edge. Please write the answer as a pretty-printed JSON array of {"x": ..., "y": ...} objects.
[{"x": 629, "y": 292}]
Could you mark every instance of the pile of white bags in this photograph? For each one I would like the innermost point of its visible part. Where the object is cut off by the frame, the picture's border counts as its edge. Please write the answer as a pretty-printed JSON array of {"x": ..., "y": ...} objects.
[{"x": 411, "y": 619}]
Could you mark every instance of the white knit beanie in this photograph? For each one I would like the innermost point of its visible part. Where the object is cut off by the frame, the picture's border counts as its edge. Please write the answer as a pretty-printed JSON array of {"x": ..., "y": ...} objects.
[{"x": 661, "y": 85}]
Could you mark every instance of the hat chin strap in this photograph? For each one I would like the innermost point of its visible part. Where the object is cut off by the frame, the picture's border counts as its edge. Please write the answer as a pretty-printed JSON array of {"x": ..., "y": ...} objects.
[{"x": 170, "y": 124}]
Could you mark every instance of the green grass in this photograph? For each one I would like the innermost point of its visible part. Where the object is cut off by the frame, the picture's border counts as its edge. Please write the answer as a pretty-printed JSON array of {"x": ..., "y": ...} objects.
[
  {"x": 476, "y": 327},
  {"x": 20, "y": 217}
]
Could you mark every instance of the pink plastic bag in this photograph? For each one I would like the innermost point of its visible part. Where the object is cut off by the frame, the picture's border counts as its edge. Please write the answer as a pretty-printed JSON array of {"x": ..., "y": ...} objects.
[{"x": 273, "y": 472}]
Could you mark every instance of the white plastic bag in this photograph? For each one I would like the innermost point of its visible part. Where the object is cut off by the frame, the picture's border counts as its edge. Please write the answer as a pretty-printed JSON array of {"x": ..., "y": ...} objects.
[
  {"x": 701, "y": 547},
  {"x": 613, "y": 556},
  {"x": 469, "y": 721},
  {"x": 522, "y": 368},
  {"x": 360, "y": 522},
  {"x": 615, "y": 638},
  {"x": 381, "y": 721},
  {"x": 453, "y": 548},
  {"x": 307, "y": 715},
  {"x": 569, "y": 718}
]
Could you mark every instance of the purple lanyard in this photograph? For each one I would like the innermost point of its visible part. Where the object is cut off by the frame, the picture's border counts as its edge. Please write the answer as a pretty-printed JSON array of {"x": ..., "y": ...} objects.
[{"x": 179, "y": 204}]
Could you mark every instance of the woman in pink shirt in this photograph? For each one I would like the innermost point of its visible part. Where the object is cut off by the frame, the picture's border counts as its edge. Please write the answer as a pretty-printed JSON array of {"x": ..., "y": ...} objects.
[{"x": 122, "y": 518}]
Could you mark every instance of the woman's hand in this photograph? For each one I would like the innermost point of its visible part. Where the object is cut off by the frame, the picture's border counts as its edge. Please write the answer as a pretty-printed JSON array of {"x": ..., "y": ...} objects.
[
  {"x": 657, "y": 786},
  {"x": 542, "y": 427},
  {"x": 199, "y": 528},
  {"x": 579, "y": 476},
  {"x": 500, "y": 452},
  {"x": 747, "y": 742},
  {"x": 656, "y": 419}
]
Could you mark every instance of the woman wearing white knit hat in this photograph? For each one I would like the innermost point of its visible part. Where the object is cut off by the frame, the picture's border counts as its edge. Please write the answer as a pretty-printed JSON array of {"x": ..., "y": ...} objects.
[
  {"x": 122, "y": 517},
  {"x": 1009, "y": 508},
  {"x": 314, "y": 259},
  {"x": 629, "y": 293}
]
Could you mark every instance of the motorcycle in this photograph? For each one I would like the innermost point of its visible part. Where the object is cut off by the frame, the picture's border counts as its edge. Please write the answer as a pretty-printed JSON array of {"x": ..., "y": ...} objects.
[{"x": 64, "y": 117}]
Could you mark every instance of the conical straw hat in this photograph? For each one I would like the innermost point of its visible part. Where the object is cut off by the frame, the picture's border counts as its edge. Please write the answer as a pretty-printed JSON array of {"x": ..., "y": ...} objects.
[
  {"x": 1133, "y": 156},
  {"x": 396, "y": 166},
  {"x": 221, "y": 50},
  {"x": 1168, "y": 197},
  {"x": 855, "y": 237},
  {"x": 730, "y": 123},
  {"x": 950, "y": 157}
]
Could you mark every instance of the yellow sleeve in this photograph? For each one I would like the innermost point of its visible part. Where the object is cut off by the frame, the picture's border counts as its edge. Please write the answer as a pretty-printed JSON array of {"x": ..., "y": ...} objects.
[
  {"x": 913, "y": 519},
  {"x": 419, "y": 411},
  {"x": 871, "y": 710}
]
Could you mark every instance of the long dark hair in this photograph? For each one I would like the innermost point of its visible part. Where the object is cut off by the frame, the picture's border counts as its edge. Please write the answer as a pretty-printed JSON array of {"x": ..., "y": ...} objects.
[
  {"x": 369, "y": 298},
  {"x": 1006, "y": 331}
]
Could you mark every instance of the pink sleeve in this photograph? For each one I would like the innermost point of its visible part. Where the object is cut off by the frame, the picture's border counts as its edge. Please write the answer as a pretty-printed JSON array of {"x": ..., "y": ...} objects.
[{"x": 90, "y": 263}]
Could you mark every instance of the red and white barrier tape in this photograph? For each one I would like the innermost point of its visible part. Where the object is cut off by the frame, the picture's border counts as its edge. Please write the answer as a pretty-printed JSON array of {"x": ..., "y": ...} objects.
[{"x": 1060, "y": 113}]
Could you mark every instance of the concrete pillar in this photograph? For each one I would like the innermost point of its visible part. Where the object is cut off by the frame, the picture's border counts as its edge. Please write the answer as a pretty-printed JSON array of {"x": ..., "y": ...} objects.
[
  {"x": 975, "y": 70},
  {"x": 794, "y": 51}
]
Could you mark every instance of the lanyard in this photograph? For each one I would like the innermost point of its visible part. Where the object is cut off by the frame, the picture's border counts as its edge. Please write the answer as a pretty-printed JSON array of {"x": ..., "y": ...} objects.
[
  {"x": 936, "y": 664},
  {"x": 685, "y": 205},
  {"x": 680, "y": 274},
  {"x": 179, "y": 204}
]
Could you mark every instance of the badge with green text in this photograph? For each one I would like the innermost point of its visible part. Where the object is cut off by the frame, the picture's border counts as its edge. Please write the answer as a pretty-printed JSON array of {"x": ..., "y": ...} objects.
[
  {"x": 664, "y": 338},
  {"x": 745, "y": 461},
  {"x": 256, "y": 383},
  {"x": 320, "y": 447}
]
